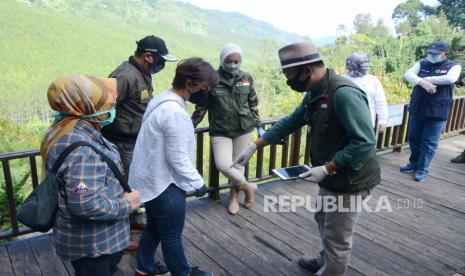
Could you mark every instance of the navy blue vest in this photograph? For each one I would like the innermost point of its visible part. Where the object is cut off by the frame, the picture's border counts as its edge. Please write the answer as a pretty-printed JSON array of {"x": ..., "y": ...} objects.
[{"x": 433, "y": 106}]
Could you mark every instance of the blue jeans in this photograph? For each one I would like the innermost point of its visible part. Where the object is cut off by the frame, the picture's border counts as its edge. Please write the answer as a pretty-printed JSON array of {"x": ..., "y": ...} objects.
[
  {"x": 165, "y": 223},
  {"x": 423, "y": 139}
]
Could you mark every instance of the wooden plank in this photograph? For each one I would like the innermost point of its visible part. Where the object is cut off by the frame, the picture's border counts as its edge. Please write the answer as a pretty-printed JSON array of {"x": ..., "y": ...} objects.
[
  {"x": 398, "y": 243},
  {"x": 22, "y": 258},
  {"x": 197, "y": 257},
  {"x": 250, "y": 262},
  {"x": 369, "y": 249},
  {"x": 47, "y": 259},
  {"x": 228, "y": 261},
  {"x": 277, "y": 254},
  {"x": 6, "y": 268},
  {"x": 305, "y": 241}
]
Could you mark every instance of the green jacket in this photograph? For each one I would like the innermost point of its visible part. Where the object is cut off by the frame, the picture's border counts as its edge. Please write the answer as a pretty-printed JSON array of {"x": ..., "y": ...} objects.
[
  {"x": 232, "y": 106},
  {"x": 340, "y": 131},
  {"x": 135, "y": 92}
]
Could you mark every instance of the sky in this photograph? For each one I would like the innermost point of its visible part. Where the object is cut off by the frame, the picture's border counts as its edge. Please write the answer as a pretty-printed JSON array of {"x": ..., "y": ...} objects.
[{"x": 313, "y": 18}]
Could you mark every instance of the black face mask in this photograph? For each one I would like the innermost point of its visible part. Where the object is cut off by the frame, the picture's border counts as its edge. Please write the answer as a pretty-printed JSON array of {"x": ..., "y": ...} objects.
[
  {"x": 199, "y": 98},
  {"x": 298, "y": 85}
]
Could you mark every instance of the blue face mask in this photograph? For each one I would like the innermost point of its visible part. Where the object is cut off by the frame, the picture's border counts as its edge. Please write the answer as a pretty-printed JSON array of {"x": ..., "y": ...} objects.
[
  {"x": 434, "y": 58},
  {"x": 111, "y": 117}
]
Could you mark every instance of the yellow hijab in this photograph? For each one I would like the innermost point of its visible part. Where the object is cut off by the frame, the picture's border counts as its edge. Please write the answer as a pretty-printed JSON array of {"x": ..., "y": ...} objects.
[{"x": 75, "y": 96}]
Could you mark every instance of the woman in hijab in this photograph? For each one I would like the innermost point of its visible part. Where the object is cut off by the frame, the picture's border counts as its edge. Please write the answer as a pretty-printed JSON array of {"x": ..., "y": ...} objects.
[
  {"x": 232, "y": 116},
  {"x": 357, "y": 71},
  {"x": 91, "y": 226}
]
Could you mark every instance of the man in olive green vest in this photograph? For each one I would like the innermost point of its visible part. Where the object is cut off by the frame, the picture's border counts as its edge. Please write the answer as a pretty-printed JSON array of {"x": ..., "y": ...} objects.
[{"x": 342, "y": 153}]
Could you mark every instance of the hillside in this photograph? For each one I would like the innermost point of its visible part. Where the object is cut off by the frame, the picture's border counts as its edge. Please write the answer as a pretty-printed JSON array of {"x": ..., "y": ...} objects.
[{"x": 45, "y": 38}]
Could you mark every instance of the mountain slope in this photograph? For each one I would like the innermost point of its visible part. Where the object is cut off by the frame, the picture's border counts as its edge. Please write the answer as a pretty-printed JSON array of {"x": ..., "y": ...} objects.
[{"x": 42, "y": 39}]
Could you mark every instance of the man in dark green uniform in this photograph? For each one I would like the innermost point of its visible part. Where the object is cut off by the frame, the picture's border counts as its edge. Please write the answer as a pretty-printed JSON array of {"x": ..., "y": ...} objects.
[
  {"x": 343, "y": 156},
  {"x": 135, "y": 90}
]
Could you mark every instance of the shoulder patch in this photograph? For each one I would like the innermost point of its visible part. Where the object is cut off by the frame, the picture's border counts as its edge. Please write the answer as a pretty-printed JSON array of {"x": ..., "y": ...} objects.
[{"x": 81, "y": 189}]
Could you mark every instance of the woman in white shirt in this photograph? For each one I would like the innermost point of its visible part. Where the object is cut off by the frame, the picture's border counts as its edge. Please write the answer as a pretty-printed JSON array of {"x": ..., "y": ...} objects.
[
  {"x": 163, "y": 168},
  {"x": 357, "y": 71}
]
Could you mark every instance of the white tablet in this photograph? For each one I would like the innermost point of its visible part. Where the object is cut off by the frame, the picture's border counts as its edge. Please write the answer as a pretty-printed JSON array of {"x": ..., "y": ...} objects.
[{"x": 293, "y": 172}]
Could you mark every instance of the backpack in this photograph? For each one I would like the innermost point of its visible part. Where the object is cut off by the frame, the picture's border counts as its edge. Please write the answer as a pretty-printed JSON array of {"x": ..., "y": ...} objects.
[{"x": 39, "y": 209}]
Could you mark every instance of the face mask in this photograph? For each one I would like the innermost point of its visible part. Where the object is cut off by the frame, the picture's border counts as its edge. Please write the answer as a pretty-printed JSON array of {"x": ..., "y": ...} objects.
[
  {"x": 231, "y": 68},
  {"x": 111, "y": 117},
  {"x": 199, "y": 98},
  {"x": 155, "y": 68},
  {"x": 298, "y": 85},
  {"x": 434, "y": 58}
]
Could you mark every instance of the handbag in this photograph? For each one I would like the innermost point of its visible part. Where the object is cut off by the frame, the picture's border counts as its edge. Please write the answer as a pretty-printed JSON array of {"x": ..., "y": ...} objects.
[{"x": 39, "y": 209}]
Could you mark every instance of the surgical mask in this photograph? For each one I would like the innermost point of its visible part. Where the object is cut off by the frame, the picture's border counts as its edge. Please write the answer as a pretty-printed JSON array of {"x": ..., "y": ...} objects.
[
  {"x": 298, "y": 85},
  {"x": 434, "y": 58},
  {"x": 111, "y": 117},
  {"x": 155, "y": 68},
  {"x": 231, "y": 68}
]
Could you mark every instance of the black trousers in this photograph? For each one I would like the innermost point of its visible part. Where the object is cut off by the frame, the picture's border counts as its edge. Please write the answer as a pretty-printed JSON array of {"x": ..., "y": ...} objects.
[{"x": 105, "y": 265}]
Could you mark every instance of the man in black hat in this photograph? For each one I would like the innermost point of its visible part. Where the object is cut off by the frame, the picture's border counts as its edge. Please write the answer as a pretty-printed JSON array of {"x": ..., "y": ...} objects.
[
  {"x": 135, "y": 89},
  {"x": 430, "y": 103},
  {"x": 342, "y": 150}
]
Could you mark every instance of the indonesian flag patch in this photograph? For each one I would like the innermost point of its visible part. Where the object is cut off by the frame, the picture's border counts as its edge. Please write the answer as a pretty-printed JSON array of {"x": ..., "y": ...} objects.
[
  {"x": 245, "y": 83},
  {"x": 81, "y": 189},
  {"x": 324, "y": 103}
]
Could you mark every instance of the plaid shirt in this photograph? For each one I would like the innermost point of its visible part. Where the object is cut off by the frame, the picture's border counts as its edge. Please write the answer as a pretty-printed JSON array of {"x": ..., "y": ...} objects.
[{"x": 92, "y": 217}]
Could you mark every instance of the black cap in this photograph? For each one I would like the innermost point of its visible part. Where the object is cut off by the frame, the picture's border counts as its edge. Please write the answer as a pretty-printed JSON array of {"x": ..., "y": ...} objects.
[
  {"x": 437, "y": 47},
  {"x": 154, "y": 44}
]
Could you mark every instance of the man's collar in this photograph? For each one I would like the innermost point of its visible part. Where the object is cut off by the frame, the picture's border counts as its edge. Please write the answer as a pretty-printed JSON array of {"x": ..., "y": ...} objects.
[
  {"x": 321, "y": 85},
  {"x": 134, "y": 63}
]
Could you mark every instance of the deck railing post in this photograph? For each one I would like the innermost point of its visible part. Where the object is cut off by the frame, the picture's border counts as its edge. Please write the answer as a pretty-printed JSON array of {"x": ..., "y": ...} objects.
[{"x": 214, "y": 177}]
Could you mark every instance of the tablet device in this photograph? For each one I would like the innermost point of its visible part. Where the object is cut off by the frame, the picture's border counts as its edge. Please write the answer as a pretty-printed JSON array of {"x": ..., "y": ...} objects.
[{"x": 293, "y": 172}]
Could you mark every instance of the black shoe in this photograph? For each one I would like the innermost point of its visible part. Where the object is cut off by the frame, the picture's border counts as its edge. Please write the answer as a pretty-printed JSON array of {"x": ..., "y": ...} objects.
[
  {"x": 160, "y": 269},
  {"x": 459, "y": 159},
  {"x": 197, "y": 272},
  {"x": 310, "y": 264}
]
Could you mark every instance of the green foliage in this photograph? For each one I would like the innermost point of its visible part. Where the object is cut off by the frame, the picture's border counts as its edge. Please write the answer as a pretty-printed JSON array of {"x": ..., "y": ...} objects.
[{"x": 455, "y": 12}]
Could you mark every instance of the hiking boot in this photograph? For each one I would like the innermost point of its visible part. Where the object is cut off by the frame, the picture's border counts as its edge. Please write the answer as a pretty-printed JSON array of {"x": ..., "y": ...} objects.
[
  {"x": 408, "y": 168},
  {"x": 197, "y": 272},
  {"x": 459, "y": 159},
  {"x": 249, "y": 190},
  {"x": 310, "y": 264},
  {"x": 420, "y": 176},
  {"x": 233, "y": 201}
]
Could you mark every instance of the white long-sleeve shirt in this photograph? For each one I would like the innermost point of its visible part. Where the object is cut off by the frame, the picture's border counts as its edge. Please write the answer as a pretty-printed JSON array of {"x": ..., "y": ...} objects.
[
  {"x": 376, "y": 97},
  {"x": 164, "y": 151},
  {"x": 451, "y": 77}
]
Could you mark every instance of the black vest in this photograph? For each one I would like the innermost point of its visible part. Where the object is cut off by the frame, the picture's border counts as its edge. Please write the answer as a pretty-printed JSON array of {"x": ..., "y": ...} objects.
[
  {"x": 434, "y": 106},
  {"x": 328, "y": 136}
]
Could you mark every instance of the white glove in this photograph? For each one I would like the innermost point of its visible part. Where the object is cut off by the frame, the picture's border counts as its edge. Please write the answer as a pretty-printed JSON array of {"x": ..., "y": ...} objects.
[
  {"x": 245, "y": 155},
  {"x": 315, "y": 175},
  {"x": 428, "y": 86}
]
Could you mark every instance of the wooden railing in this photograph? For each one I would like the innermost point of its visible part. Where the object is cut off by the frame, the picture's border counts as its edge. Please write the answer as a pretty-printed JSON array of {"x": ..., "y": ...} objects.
[{"x": 293, "y": 151}]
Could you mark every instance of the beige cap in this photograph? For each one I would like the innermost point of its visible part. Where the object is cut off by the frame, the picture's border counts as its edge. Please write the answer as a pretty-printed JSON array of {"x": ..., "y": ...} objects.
[{"x": 297, "y": 54}]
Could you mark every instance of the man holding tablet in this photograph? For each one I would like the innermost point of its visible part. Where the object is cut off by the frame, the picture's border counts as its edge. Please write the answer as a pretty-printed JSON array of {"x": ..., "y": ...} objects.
[{"x": 343, "y": 156}]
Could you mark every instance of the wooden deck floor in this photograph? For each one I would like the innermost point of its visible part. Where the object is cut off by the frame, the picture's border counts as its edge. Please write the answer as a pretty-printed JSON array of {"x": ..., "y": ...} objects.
[{"x": 408, "y": 241}]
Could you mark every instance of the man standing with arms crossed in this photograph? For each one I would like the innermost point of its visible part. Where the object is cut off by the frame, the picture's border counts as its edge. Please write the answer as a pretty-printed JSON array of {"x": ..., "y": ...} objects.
[
  {"x": 135, "y": 90},
  {"x": 342, "y": 148}
]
